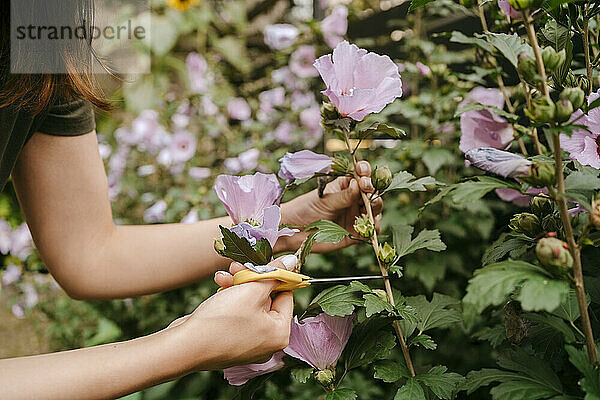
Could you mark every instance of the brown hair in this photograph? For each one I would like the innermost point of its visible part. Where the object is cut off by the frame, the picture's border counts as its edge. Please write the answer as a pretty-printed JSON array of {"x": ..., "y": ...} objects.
[{"x": 36, "y": 91}]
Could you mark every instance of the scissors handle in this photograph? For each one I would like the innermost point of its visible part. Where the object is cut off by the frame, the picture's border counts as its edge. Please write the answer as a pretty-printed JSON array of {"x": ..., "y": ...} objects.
[{"x": 290, "y": 280}]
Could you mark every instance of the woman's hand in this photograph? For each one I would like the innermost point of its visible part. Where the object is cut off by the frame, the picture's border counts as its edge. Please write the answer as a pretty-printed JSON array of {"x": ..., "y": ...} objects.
[
  {"x": 242, "y": 324},
  {"x": 341, "y": 203}
]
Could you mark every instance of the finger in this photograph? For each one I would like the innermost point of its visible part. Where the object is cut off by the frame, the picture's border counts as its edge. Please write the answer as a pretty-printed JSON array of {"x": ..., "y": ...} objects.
[
  {"x": 366, "y": 185},
  {"x": 223, "y": 279},
  {"x": 288, "y": 262},
  {"x": 363, "y": 168},
  {"x": 236, "y": 267},
  {"x": 283, "y": 305},
  {"x": 338, "y": 185},
  {"x": 377, "y": 206}
]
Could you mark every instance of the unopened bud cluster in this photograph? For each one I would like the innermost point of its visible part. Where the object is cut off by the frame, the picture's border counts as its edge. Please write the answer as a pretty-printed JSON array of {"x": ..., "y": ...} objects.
[
  {"x": 381, "y": 178},
  {"x": 526, "y": 223},
  {"x": 387, "y": 254},
  {"x": 364, "y": 227}
]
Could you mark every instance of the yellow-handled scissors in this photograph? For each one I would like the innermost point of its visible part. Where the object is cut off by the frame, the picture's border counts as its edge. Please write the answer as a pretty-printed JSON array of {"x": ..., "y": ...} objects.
[{"x": 292, "y": 280}]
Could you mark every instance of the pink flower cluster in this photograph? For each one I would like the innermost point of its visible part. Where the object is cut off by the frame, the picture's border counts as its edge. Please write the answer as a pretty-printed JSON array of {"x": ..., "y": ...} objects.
[{"x": 584, "y": 145}]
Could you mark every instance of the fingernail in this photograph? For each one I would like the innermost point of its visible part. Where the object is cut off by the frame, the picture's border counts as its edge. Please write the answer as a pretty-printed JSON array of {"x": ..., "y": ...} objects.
[
  {"x": 367, "y": 182},
  {"x": 289, "y": 261},
  {"x": 221, "y": 273},
  {"x": 362, "y": 168}
]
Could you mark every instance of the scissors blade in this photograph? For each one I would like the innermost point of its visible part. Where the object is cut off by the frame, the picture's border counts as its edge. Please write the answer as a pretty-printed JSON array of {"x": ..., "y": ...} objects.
[{"x": 346, "y": 279}]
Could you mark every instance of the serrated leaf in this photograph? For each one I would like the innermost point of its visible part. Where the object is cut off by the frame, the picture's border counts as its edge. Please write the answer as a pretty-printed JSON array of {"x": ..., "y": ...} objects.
[
  {"x": 407, "y": 313},
  {"x": 414, "y": 4},
  {"x": 568, "y": 308},
  {"x": 328, "y": 231},
  {"x": 509, "y": 45},
  {"x": 341, "y": 394},
  {"x": 338, "y": 300},
  {"x": 435, "y": 158},
  {"x": 483, "y": 377},
  {"x": 391, "y": 371},
  {"x": 379, "y": 128},
  {"x": 240, "y": 250},
  {"x": 586, "y": 179},
  {"x": 475, "y": 190},
  {"x": 492, "y": 284},
  {"x": 375, "y": 304},
  {"x": 542, "y": 294},
  {"x": 443, "y": 384},
  {"x": 556, "y": 34},
  {"x": 441, "y": 312},
  {"x": 424, "y": 341},
  {"x": 554, "y": 323},
  {"x": 302, "y": 375},
  {"x": 406, "y": 181},
  {"x": 426, "y": 239},
  {"x": 495, "y": 335},
  {"x": 590, "y": 383},
  {"x": 504, "y": 245},
  {"x": 364, "y": 346},
  {"x": 459, "y": 37},
  {"x": 410, "y": 391}
]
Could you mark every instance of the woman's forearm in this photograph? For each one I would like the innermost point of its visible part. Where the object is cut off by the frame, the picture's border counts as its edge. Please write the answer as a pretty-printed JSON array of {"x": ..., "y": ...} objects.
[{"x": 102, "y": 372}]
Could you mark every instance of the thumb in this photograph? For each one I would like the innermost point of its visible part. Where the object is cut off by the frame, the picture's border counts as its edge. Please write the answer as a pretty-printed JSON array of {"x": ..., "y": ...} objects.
[
  {"x": 288, "y": 262},
  {"x": 344, "y": 197},
  {"x": 283, "y": 305}
]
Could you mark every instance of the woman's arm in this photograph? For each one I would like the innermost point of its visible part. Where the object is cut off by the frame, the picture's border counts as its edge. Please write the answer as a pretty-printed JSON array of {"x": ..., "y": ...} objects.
[
  {"x": 62, "y": 188},
  {"x": 239, "y": 325}
]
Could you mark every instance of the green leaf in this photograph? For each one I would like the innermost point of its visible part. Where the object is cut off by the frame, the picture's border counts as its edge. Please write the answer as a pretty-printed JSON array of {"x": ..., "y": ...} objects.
[
  {"x": 106, "y": 331},
  {"x": 495, "y": 335},
  {"x": 474, "y": 190},
  {"x": 590, "y": 383},
  {"x": 592, "y": 105},
  {"x": 459, "y": 37},
  {"x": 306, "y": 247},
  {"x": 234, "y": 51},
  {"x": 408, "y": 313},
  {"x": 556, "y": 34},
  {"x": 374, "y": 304},
  {"x": 569, "y": 308},
  {"x": 478, "y": 107},
  {"x": 426, "y": 239},
  {"x": 364, "y": 346},
  {"x": 435, "y": 158},
  {"x": 483, "y": 377},
  {"x": 240, "y": 250},
  {"x": 410, "y": 391},
  {"x": 414, "y": 4},
  {"x": 406, "y": 181},
  {"x": 443, "y": 384},
  {"x": 164, "y": 34},
  {"x": 505, "y": 244},
  {"x": 379, "y": 128},
  {"x": 537, "y": 369},
  {"x": 554, "y": 323},
  {"x": 391, "y": 371},
  {"x": 341, "y": 394},
  {"x": 586, "y": 179},
  {"x": 338, "y": 300},
  {"x": 423, "y": 340},
  {"x": 302, "y": 375},
  {"x": 491, "y": 285},
  {"x": 328, "y": 231},
  {"x": 441, "y": 312},
  {"x": 509, "y": 45}
]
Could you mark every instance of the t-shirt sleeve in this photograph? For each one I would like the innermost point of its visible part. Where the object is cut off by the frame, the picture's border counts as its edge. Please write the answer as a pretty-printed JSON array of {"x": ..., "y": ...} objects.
[{"x": 68, "y": 118}]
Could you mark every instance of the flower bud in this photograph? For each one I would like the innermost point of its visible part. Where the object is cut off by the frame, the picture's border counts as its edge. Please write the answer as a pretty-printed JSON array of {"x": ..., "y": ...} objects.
[
  {"x": 381, "y": 177},
  {"x": 527, "y": 68},
  {"x": 341, "y": 166},
  {"x": 542, "y": 175},
  {"x": 553, "y": 60},
  {"x": 583, "y": 82},
  {"x": 387, "y": 254},
  {"x": 325, "y": 377},
  {"x": 364, "y": 227},
  {"x": 542, "y": 205},
  {"x": 526, "y": 223},
  {"x": 575, "y": 95},
  {"x": 329, "y": 112},
  {"x": 542, "y": 110},
  {"x": 595, "y": 213},
  {"x": 551, "y": 223},
  {"x": 554, "y": 254},
  {"x": 219, "y": 246},
  {"x": 564, "y": 109}
]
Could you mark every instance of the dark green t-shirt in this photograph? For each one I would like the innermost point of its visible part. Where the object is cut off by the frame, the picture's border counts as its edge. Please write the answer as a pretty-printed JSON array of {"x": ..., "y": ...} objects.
[{"x": 62, "y": 118}]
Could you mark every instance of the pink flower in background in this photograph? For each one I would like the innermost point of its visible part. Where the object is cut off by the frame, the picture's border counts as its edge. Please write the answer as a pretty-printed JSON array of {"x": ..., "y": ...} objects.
[
  {"x": 245, "y": 197},
  {"x": 423, "y": 69},
  {"x": 301, "y": 62},
  {"x": 283, "y": 132},
  {"x": 303, "y": 164},
  {"x": 156, "y": 213},
  {"x": 239, "y": 375},
  {"x": 18, "y": 311},
  {"x": 197, "y": 72},
  {"x": 30, "y": 296},
  {"x": 509, "y": 10},
  {"x": 280, "y": 36},
  {"x": 584, "y": 146},
  {"x": 232, "y": 165},
  {"x": 483, "y": 128},
  {"x": 149, "y": 134},
  {"x": 335, "y": 26},
  {"x": 21, "y": 244},
  {"x": 11, "y": 274},
  {"x": 249, "y": 159},
  {"x": 239, "y": 109},
  {"x": 104, "y": 150},
  {"x": 269, "y": 229},
  {"x": 503, "y": 163},
  {"x": 515, "y": 197},
  {"x": 271, "y": 98},
  {"x": 183, "y": 146},
  {"x": 146, "y": 170},
  {"x": 191, "y": 217},
  {"x": 127, "y": 136},
  {"x": 358, "y": 82},
  {"x": 319, "y": 341},
  {"x": 302, "y": 100},
  {"x": 5, "y": 231},
  {"x": 199, "y": 173},
  {"x": 208, "y": 107},
  {"x": 311, "y": 118}
]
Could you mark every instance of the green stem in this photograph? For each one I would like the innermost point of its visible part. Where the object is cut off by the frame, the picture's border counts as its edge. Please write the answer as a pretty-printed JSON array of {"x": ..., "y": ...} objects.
[
  {"x": 384, "y": 272},
  {"x": 561, "y": 202},
  {"x": 586, "y": 47}
]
